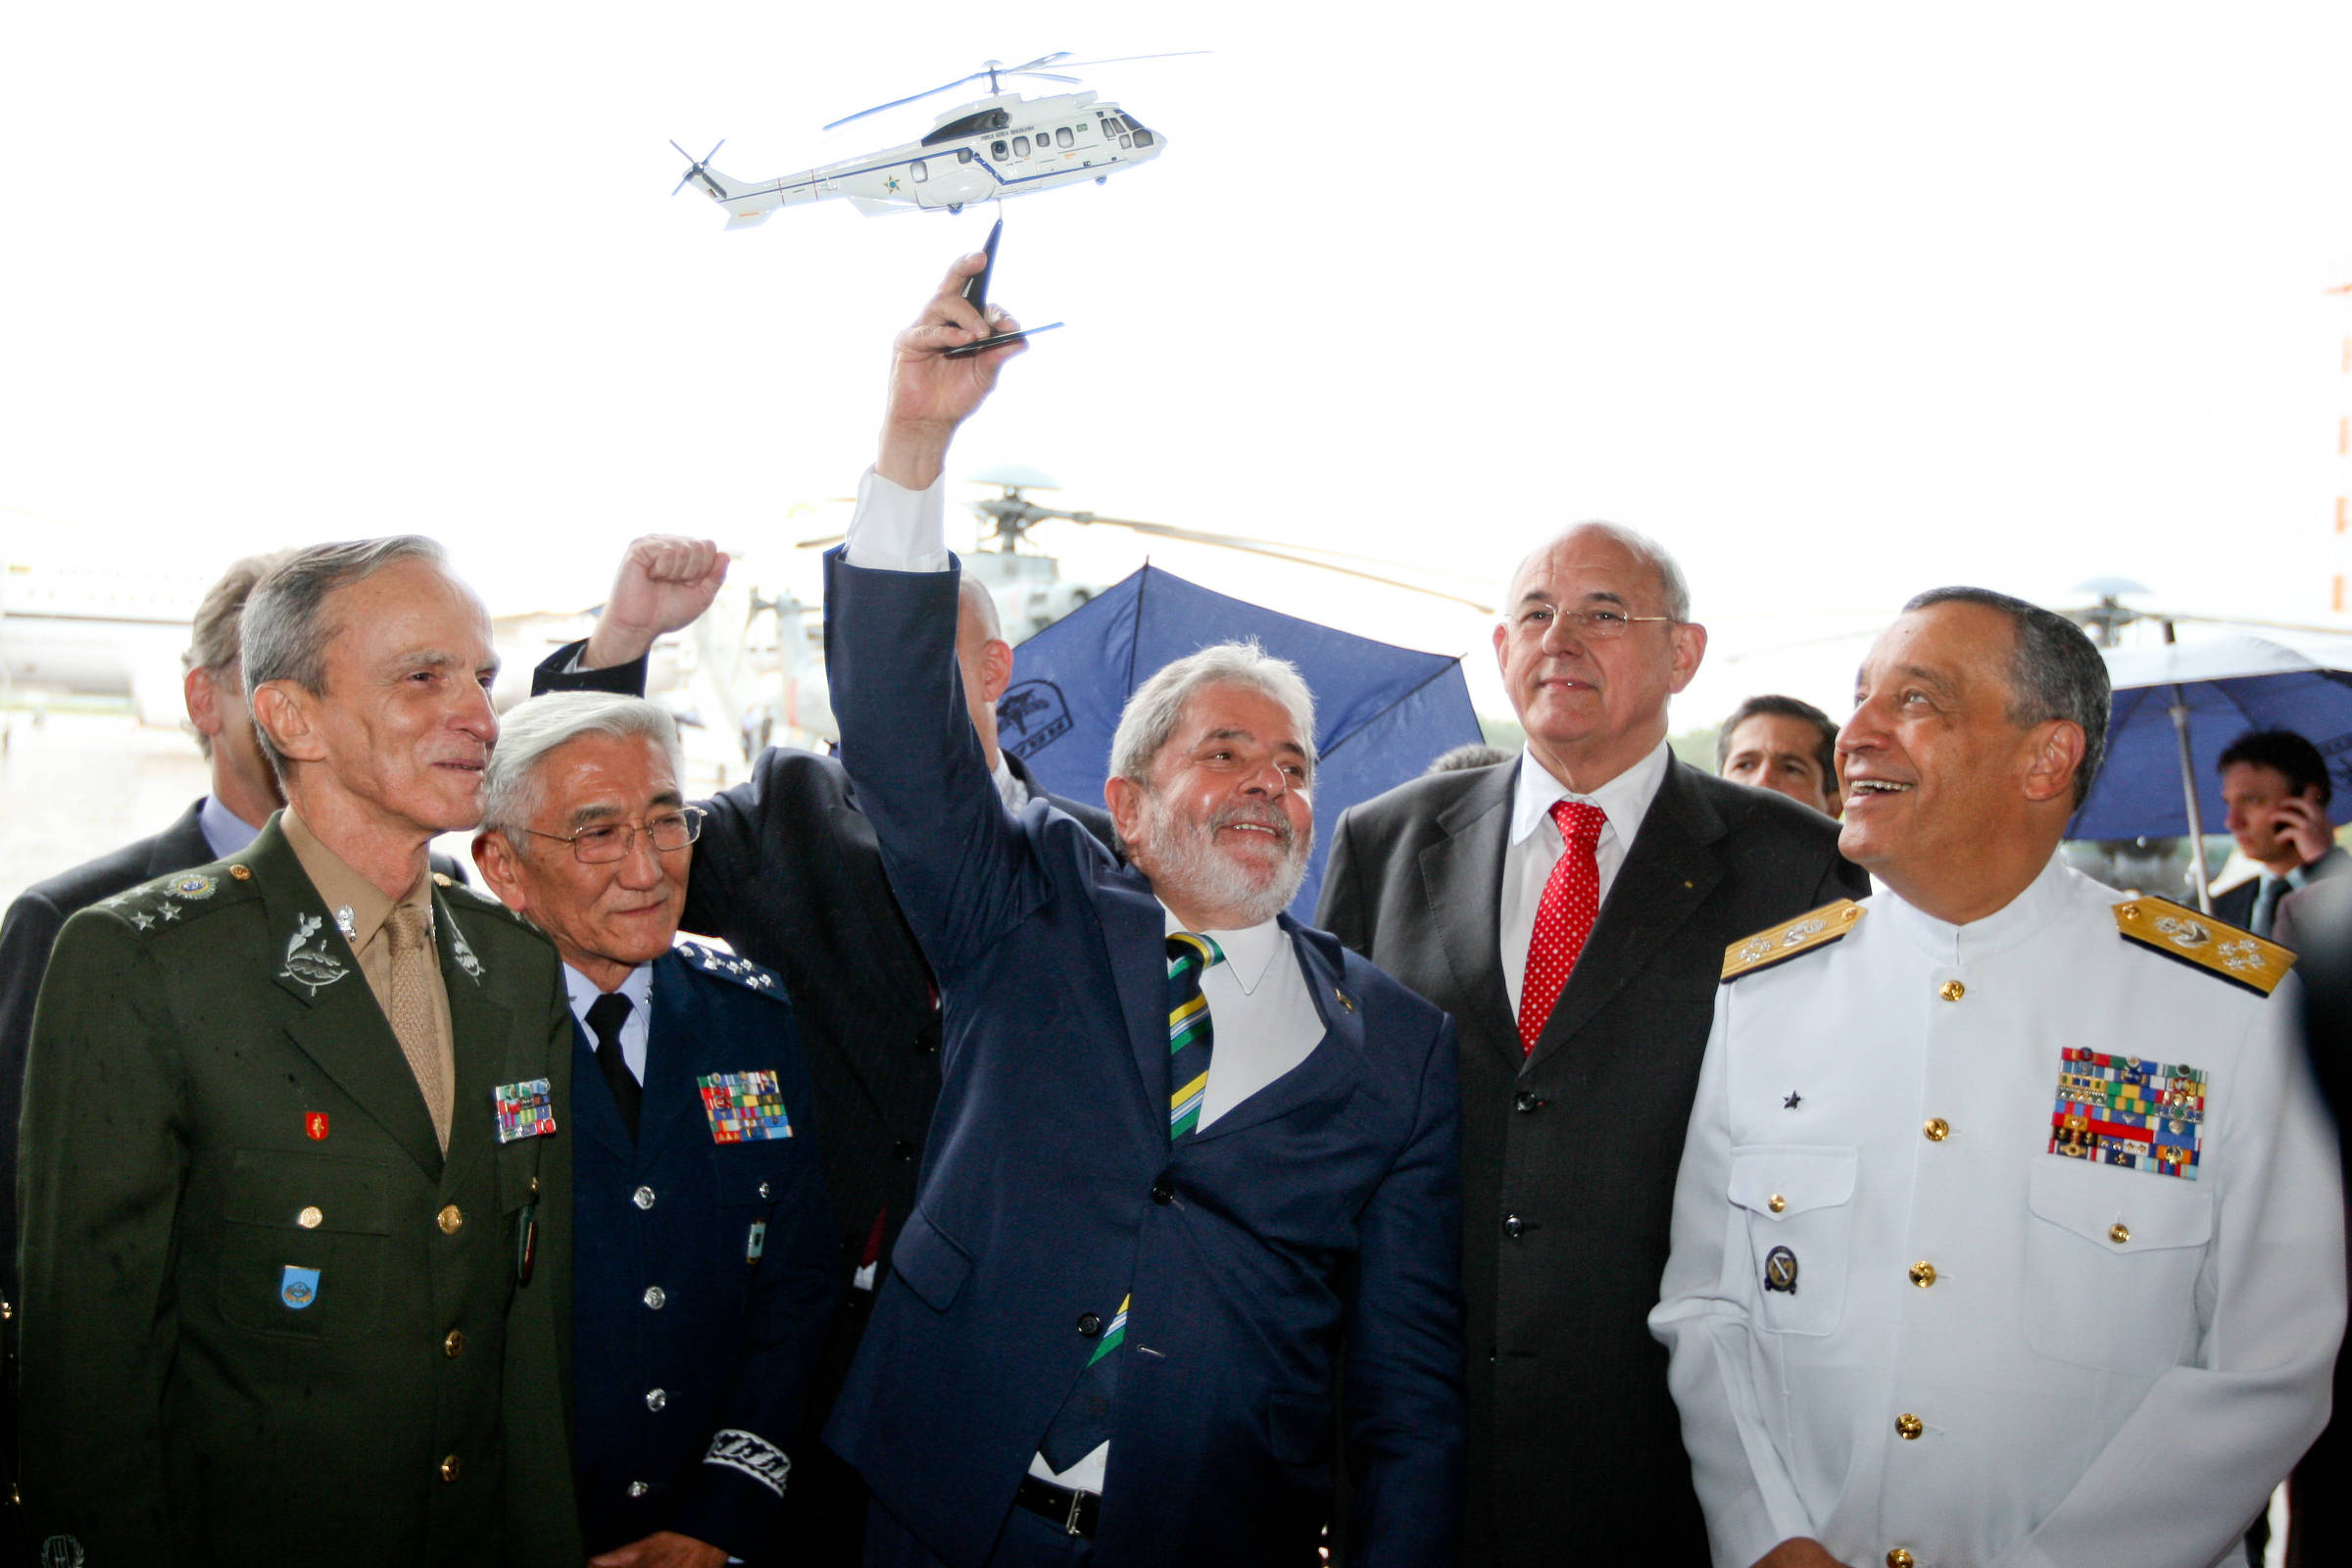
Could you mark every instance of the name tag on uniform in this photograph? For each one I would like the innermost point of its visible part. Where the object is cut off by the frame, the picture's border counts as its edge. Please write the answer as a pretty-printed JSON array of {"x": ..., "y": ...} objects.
[
  {"x": 525, "y": 1110},
  {"x": 744, "y": 1107}
]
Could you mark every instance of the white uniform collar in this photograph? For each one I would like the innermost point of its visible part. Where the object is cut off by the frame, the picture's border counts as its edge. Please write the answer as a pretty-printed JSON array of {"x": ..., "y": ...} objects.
[
  {"x": 1625, "y": 799},
  {"x": 2042, "y": 901},
  {"x": 1248, "y": 952}
]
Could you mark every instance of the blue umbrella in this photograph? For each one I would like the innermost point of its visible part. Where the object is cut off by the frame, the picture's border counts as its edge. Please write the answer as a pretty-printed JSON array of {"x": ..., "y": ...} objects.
[
  {"x": 2179, "y": 707},
  {"x": 1382, "y": 712}
]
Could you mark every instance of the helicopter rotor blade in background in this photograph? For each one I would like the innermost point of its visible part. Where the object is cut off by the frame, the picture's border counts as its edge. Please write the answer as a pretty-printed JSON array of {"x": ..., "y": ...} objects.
[
  {"x": 1120, "y": 59},
  {"x": 1251, "y": 547},
  {"x": 908, "y": 99}
]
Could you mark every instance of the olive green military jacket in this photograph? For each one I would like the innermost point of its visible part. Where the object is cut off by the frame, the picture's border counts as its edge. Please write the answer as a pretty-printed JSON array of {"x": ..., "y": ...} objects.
[{"x": 264, "y": 1319}]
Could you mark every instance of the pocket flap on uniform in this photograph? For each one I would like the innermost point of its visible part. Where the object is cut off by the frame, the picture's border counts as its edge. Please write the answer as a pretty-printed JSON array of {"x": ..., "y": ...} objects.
[
  {"x": 1779, "y": 1183},
  {"x": 2122, "y": 1210},
  {"x": 306, "y": 1193},
  {"x": 932, "y": 1266}
]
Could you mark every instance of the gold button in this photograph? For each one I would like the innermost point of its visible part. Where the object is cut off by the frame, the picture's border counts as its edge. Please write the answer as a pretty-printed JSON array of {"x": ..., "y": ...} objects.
[
  {"x": 449, "y": 1468},
  {"x": 308, "y": 1220},
  {"x": 241, "y": 872},
  {"x": 452, "y": 1343},
  {"x": 1777, "y": 1202},
  {"x": 2118, "y": 1233},
  {"x": 1922, "y": 1274},
  {"x": 1936, "y": 1129},
  {"x": 1908, "y": 1426},
  {"x": 1952, "y": 991},
  {"x": 450, "y": 1219},
  {"x": 1900, "y": 1558}
]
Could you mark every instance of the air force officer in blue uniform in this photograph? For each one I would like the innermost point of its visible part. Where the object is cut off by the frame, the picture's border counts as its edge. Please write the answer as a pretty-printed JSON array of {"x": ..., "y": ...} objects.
[
  {"x": 1183, "y": 1145},
  {"x": 703, "y": 1272}
]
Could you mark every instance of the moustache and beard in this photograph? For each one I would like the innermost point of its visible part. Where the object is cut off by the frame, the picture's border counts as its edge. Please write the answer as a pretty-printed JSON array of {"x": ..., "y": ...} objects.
[{"x": 1184, "y": 857}]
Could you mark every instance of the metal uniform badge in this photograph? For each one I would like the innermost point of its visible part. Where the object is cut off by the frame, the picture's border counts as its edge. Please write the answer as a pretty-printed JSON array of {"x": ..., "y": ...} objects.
[
  {"x": 755, "y": 1246},
  {"x": 314, "y": 1123},
  {"x": 313, "y": 968},
  {"x": 345, "y": 923},
  {"x": 298, "y": 1288},
  {"x": 744, "y": 1106},
  {"x": 526, "y": 1110},
  {"x": 2129, "y": 1111},
  {"x": 1779, "y": 1270},
  {"x": 194, "y": 885}
]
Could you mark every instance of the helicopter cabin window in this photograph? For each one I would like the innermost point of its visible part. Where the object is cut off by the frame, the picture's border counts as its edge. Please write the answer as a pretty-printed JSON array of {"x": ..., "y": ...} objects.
[
  {"x": 1126, "y": 141},
  {"x": 996, "y": 150},
  {"x": 1062, "y": 136},
  {"x": 921, "y": 170},
  {"x": 963, "y": 155},
  {"x": 1020, "y": 146}
]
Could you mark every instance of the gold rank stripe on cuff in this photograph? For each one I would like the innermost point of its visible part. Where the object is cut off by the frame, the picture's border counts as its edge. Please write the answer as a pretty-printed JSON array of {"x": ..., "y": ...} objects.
[
  {"x": 2219, "y": 948},
  {"x": 1779, "y": 943}
]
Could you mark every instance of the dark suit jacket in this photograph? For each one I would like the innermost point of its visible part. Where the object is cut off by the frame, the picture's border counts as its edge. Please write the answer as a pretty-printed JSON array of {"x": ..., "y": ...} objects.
[
  {"x": 788, "y": 875},
  {"x": 260, "y": 1304},
  {"x": 1326, "y": 1202},
  {"x": 2237, "y": 905},
  {"x": 1569, "y": 1155},
  {"x": 27, "y": 935},
  {"x": 736, "y": 1235}
]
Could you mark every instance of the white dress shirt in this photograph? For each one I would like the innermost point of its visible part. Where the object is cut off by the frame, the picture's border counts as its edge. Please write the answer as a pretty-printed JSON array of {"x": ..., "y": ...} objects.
[
  {"x": 1260, "y": 1007},
  {"x": 1535, "y": 844},
  {"x": 634, "y": 1029},
  {"x": 224, "y": 831},
  {"x": 1979, "y": 1349}
]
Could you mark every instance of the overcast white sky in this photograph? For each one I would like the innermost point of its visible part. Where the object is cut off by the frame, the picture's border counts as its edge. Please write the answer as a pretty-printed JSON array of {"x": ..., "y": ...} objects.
[{"x": 1839, "y": 301}]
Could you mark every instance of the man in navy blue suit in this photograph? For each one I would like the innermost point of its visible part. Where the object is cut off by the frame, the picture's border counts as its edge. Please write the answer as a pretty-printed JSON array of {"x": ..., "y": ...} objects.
[
  {"x": 702, "y": 1265},
  {"x": 1184, "y": 1145}
]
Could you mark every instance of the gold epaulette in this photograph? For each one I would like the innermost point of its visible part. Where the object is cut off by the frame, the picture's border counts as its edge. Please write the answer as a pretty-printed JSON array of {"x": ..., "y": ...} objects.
[
  {"x": 2182, "y": 934},
  {"x": 1817, "y": 929}
]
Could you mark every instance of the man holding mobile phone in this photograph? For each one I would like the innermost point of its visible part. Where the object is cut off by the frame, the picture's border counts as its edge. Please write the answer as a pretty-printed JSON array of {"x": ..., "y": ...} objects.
[{"x": 2275, "y": 785}]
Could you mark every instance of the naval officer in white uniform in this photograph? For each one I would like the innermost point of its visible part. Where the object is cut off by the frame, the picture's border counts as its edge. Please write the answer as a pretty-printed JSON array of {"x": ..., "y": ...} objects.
[{"x": 2008, "y": 1229}]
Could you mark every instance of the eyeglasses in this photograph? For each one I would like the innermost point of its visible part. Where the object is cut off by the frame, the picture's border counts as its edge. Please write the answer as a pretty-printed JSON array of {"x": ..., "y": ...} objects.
[
  {"x": 1599, "y": 625},
  {"x": 607, "y": 842}
]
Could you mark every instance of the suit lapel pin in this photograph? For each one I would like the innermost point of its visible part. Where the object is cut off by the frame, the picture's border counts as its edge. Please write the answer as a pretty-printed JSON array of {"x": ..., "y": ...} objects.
[
  {"x": 1793, "y": 1101},
  {"x": 1345, "y": 1000}
]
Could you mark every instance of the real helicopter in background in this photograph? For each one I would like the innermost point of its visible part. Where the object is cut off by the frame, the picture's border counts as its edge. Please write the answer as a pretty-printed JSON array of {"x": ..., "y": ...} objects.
[{"x": 987, "y": 149}]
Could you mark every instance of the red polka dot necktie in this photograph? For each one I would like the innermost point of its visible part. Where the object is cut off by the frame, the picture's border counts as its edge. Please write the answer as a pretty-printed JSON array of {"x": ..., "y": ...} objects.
[{"x": 1564, "y": 918}]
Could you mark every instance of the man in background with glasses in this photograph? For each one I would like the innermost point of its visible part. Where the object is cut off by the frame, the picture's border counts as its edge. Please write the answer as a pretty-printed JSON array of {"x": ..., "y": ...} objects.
[
  {"x": 703, "y": 1270},
  {"x": 1571, "y": 911}
]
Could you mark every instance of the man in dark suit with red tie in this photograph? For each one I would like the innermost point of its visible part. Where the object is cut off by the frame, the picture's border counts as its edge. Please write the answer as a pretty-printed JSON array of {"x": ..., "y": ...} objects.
[{"x": 1571, "y": 908}]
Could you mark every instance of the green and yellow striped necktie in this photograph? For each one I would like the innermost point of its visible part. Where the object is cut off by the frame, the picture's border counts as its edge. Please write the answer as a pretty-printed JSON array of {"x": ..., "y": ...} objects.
[{"x": 1191, "y": 1036}]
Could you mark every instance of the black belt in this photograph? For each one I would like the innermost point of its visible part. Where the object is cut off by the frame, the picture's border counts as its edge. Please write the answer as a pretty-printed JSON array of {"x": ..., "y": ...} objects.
[{"x": 1076, "y": 1511}]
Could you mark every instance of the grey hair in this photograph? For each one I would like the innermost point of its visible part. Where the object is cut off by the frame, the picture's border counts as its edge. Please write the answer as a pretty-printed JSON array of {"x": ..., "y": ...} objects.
[
  {"x": 284, "y": 633},
  {"x": 2054, "y": 672},
  {"x": 1153, "y": 713},
  {"x": 1673, "y": 587},
  {"x": 510, "y": 790},
  {"x": 213, "y": 641}
]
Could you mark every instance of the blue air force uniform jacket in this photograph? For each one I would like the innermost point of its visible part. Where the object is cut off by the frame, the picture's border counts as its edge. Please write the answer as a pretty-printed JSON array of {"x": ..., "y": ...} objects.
[
  {"x": 1326, "y": 1203},
  {"x": 704, "y": 1275}
]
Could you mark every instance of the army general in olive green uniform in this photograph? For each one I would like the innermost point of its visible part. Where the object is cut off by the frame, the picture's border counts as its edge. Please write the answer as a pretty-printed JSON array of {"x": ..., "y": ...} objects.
[{"x": 296, "y": 1179}]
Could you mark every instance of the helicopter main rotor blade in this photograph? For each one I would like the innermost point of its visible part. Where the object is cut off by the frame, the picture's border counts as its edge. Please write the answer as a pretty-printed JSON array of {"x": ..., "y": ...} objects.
[
  {"x": 1032, "y": 65},
  {"x": 1227, "y": 542},
  {"x": 1120, "y": 59},
  {"x": 908, "y": 99},
  {"x": 1041, "y": 75}
]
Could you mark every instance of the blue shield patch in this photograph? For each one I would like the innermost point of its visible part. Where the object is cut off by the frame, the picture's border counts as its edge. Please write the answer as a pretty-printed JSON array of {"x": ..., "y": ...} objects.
[
  {"x": 298, "y": 1288},
  {"x": 1032, "y": 716}
]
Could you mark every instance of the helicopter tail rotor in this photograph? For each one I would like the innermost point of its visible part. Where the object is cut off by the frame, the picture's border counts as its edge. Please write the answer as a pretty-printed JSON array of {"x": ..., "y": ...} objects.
[{"x": 700, "y": 168}]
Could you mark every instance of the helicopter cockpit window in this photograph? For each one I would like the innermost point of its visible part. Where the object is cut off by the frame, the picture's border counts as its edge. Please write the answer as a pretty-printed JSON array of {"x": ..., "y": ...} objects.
[
  {"x": 1020, "y": 146},
  {"x": 996, "y": 150},
  {"x": 921, "y": 170},
  {"x": 1142, "y": 138},
  {"x": 1062, "y": 136},
  {"x": 968, "y": 125}
]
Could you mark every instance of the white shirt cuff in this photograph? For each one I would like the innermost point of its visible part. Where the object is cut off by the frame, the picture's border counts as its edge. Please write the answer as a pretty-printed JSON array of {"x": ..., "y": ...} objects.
[{"x": 898, "y": 529}]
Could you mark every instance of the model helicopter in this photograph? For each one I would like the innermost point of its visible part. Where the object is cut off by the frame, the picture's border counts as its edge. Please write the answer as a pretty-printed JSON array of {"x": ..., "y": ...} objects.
[{"x": 992, "y": 148}]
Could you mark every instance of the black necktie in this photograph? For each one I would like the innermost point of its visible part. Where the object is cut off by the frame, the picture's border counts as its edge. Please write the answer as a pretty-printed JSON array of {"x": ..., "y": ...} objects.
[{"x": 606, "y": 1014}]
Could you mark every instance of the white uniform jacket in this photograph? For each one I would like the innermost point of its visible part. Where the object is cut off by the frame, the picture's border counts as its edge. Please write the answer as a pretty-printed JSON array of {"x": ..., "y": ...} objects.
[{"x": 1906, "y": 1321}]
